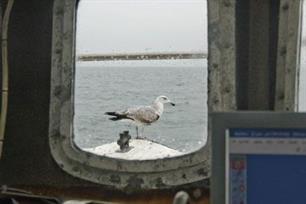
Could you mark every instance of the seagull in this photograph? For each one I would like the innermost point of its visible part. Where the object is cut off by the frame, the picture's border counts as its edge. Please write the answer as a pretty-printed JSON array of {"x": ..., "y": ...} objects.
[{"x": 142, "y": 115}]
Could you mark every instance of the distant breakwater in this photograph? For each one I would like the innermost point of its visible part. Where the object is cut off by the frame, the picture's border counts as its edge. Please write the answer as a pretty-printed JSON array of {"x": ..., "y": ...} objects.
[{"x": 141, "y": 56}]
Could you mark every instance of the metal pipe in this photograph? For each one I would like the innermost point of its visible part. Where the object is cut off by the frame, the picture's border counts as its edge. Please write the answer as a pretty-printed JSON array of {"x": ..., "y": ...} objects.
[{"x": 5, "y": 69}]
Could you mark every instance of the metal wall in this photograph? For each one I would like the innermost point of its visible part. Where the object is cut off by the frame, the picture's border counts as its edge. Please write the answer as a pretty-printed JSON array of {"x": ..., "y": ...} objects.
[
  {"x": 256, "y": 38},
  {"x": 268, "y": 49},
  {"x": 26, "y": 156}
]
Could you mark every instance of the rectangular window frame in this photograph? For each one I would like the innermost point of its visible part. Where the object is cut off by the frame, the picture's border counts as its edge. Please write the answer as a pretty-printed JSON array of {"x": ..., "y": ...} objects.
[{"x": 119, "y": 173}]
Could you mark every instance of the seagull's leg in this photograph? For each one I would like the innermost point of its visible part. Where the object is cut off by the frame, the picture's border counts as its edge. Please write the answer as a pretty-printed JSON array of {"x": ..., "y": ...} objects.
[
  {"x": 137, "y": 132},
  {"x": 142, "y": 131}
]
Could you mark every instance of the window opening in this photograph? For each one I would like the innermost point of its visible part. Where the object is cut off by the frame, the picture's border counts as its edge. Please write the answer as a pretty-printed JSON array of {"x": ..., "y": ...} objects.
[{"x": 130, "y": 52}]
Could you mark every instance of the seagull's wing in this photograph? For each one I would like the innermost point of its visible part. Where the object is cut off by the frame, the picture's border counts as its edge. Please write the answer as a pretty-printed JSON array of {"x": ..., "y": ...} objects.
[{"x": 144, "y": 114}]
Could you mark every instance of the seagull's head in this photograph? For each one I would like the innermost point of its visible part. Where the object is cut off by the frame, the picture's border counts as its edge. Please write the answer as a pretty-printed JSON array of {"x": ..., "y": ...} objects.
[{"x": 164, "y": 99}]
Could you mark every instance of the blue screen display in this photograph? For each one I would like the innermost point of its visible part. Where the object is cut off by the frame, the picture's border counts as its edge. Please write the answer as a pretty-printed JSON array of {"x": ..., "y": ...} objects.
[{"x": 278, "y": 178}]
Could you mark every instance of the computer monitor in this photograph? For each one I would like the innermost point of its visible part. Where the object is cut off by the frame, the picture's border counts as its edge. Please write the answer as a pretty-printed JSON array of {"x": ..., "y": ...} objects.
[{"x": 258, "y": 158}]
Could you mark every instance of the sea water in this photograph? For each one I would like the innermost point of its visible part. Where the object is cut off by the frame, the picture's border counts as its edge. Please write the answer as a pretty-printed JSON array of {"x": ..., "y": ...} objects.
[{"x": 110, "y": 86}]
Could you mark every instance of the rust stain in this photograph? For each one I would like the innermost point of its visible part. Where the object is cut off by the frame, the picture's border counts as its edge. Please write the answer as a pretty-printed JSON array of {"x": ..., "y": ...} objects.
[{"x": 161, "y": 196}]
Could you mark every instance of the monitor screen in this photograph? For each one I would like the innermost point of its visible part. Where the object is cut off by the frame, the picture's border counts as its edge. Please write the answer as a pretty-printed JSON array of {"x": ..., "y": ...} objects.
[{"x": 265, "y": 165}]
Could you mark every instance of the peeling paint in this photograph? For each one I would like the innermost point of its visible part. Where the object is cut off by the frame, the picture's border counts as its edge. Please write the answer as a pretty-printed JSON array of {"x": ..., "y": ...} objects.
[
  {"x": 115, "y": 178},
  {"x": 134, "y": 183},
  {"x": 160, "y": 183},
  {"x": 202, "y": 172}
]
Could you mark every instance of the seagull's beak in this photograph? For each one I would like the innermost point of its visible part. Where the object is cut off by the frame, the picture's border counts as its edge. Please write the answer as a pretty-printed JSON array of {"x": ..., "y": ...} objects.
[{"x": 173, "y": 104}]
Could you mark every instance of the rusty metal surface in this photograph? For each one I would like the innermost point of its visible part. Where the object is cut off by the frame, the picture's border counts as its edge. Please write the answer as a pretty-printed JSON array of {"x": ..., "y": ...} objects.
[{"x": 197, "y": 195}]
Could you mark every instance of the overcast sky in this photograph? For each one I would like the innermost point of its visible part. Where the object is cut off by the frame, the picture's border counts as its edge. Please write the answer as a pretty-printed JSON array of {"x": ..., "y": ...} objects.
[{"x": 125, "y": 26}]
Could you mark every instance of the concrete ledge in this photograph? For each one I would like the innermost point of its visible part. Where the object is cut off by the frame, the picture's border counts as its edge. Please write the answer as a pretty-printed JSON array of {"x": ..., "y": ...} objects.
[{"x": 140, "y": 149}]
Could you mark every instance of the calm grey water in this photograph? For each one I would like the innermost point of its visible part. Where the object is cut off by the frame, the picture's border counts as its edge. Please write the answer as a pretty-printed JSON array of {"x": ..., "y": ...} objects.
[{"x": 101, "y": 87}]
